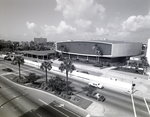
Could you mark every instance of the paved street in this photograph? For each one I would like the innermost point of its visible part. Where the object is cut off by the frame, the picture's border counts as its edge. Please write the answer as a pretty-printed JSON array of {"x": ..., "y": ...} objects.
[
  {"x": 22, "y": 101},
  {"x": 116, "y": 104},
  {"x": 19, "y": 101}
]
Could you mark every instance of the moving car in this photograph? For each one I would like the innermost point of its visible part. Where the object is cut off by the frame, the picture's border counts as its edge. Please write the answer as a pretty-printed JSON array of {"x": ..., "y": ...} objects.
[
  {"x": 7, "y": 57},
  {"x": 97, "y": 85},
  {"x": 97, "y": 96}
]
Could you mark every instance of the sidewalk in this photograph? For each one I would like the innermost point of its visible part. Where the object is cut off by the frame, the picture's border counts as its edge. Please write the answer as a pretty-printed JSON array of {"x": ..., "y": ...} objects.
[{"x": 142, "y": 88}]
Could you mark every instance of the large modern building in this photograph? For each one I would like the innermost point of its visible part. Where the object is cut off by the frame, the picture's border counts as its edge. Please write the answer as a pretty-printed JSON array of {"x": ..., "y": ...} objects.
[
  {"x": 148, "y": 51},
  {"x": 103, "y": 50},
  {"x": 40, "y": 40}
]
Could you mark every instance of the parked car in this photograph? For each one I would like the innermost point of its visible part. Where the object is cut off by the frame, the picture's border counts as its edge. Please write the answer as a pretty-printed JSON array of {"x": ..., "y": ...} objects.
[
  {"x": 97, "y": 96},
  {"x": 97, "y": 85},
  {"x": 86, "y": 72},
  {"x": 98, "y": 64},
  {"x": 7, "y": 70},
  {"x": 7, "y": 58}
]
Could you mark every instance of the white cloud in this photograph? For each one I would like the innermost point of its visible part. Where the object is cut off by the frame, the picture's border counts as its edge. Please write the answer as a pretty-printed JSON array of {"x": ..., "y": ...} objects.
[
  {"x": 62, "y": 28},
  {"x": 34, "y": 29},
  {"x": 24, "y": 34},
  {"x": 85, "y": 9},
  {"x": 101, "y": 31},
  {"x": 111, "y": 25},
  {"x": 30, "y": 25},
  {"x": 137, "y": 23},
  {"x": 83, "y": 23}
]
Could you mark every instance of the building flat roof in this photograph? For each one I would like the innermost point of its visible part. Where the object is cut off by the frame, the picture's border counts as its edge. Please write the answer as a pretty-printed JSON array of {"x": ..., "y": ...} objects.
[
  {"x": 41, "y": 53},
  {"x": 99, "y": 41}
]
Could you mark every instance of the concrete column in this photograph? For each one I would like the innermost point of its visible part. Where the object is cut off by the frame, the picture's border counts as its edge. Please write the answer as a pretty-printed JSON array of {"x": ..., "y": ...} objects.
[
  {"x": 87, "y": 58},
  {"x": 77, "y": 56},
  {"x": 69, "y": 56}
]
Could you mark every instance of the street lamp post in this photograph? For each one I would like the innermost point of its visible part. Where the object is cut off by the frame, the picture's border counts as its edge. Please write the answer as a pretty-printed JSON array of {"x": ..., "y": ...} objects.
[{"x": 133, "y": 85}]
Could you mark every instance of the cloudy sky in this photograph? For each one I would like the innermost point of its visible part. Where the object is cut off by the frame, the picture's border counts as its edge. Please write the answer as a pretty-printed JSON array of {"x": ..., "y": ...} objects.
[{"x": 59, "y": 20}]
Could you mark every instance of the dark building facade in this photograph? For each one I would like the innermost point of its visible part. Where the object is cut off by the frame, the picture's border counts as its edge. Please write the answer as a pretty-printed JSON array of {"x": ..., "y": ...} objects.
[{"x": 104, "y": 50}]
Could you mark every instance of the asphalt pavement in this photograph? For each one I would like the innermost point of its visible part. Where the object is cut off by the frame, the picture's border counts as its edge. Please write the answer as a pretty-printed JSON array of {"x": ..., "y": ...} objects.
[{"x": 141, "y": 104}]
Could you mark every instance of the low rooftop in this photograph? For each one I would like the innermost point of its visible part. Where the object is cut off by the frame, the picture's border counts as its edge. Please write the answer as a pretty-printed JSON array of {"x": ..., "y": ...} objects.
[{"x": 33, "y": 52}]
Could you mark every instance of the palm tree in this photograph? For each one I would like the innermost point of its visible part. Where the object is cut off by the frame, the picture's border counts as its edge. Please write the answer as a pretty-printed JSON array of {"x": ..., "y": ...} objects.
[
  {"x": 69, "y": 67},
  {"x": 46, "y": 65},
  {"x": 98, "y": 50},
  {"x": 63, "y": 48},
  {"x": 18, "y": 60}
]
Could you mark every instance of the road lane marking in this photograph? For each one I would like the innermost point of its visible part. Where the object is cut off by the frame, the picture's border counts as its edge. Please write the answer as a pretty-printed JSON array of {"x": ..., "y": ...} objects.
[
  {"x": 133, "y": 106},
  {"x": 13, "y": 99},
  {"x": 8, "y": 87},
  {"x": 39, "y": 115},
  {"x": 53, "y": 107},
  {"x": 71, "y": 112},
  {"x": 146, "y": 105}
]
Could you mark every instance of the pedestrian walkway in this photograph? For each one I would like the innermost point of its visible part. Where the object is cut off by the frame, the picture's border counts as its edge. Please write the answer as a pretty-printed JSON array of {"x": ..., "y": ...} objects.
[
  {"x": 95, "y": 109},
  {"x": 142, "y": 87}
]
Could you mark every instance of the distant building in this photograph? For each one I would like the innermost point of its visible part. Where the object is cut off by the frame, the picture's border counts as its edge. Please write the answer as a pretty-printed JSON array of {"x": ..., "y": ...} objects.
[
  {"x": 40, "y": 40},
  {"x": 99, "y": 50}
]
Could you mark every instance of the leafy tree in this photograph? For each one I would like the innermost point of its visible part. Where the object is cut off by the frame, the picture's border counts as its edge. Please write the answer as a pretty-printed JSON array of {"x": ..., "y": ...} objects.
[
  {"x": 18, "y": 60},
  {"x": 46, "y": 65},
  {"x": 68, "y": 67},
  {"x": 32, "y": 77}
]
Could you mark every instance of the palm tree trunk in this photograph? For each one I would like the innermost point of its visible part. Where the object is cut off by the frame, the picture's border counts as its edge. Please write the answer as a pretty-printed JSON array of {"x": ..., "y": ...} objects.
[
  {"x": 46, "y": 74},
  {"x": 19, "y": 70},
  {"x": 67, "y": 82}
]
